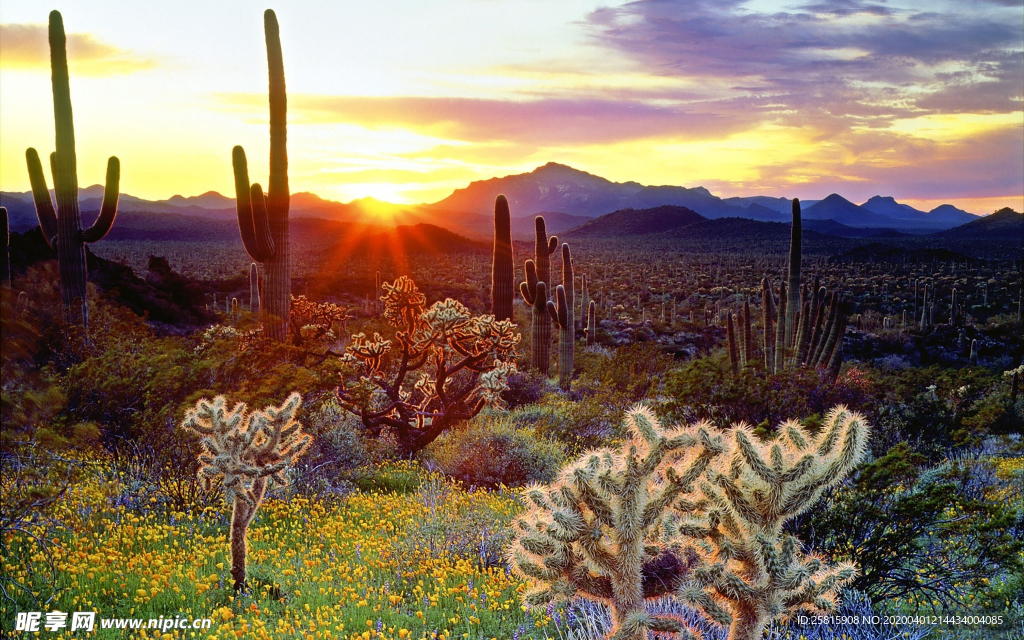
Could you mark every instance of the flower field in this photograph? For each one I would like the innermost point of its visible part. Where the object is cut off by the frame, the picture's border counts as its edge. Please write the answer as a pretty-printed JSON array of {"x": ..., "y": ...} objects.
[{"x": 369, "y": 565}]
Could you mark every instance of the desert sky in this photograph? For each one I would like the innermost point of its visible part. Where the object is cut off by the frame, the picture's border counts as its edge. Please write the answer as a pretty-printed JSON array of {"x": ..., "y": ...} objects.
[{"x": 407, "y": 100}]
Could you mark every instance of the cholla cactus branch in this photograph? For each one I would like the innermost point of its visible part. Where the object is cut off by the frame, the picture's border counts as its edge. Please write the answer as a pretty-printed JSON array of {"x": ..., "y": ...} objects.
[
  {"x": 600, "y": 530},
  {"x": 750, "y": 569},
  {"x": 464, "y": 363},
  {"x": 247, "y": 452}
]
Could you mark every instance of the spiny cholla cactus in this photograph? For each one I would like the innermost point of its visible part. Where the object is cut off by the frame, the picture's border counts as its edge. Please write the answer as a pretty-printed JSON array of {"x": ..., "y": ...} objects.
[
  {"x": 599, "y": 531},
  {"x": 315, "y": 320},
  {"x": 248, "y": 452},
  {"x": 464, "y": 362},
  {"x": 748, "y": 571}
]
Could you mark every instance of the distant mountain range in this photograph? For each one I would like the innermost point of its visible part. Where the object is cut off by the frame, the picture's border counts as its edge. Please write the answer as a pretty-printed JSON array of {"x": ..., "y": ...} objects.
[{"x": 568, "y": 199}]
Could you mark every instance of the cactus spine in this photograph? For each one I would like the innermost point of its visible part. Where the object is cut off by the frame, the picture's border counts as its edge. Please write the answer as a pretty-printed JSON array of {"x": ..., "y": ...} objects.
[
  {"x": 502, "y": 265},
  {"x": 62, "y": 227},
  {"x": 591, "y": 324},
  {"x": 538, "y": 272},
  {"x": 263, "y": 221},
  {"x": 563, "y": 313},
  {"x": 248, "y": 453}
]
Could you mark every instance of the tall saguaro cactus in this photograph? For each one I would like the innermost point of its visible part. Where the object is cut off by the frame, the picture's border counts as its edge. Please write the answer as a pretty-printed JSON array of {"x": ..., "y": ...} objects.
[
  {"x": 793, "y": 302},
  {"x": 248, "y": 452},
  {"x": 503, "y": 287},
  {"x": 263, "y": 221},
  {"x": 538, "y": 272},
  {"x": 591, "y": 329},
  {"x": 62, "y": 227},
  {"x": 5, "y": 261},
  {"x": 563, "y": 313}
]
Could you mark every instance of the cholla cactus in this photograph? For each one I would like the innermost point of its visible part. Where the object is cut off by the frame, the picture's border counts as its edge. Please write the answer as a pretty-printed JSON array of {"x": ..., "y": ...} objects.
[
  {"x": 248, "y": 453},
  {"x": 599, "y": 531},
  {"x": 748, "y": 571},
  {"x": 315, "y": 320},
  {"x": 464, "y": 362}
]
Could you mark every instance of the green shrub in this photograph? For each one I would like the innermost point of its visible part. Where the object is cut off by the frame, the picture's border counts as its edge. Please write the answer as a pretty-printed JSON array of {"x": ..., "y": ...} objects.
[{"x": 492, "y": 451}]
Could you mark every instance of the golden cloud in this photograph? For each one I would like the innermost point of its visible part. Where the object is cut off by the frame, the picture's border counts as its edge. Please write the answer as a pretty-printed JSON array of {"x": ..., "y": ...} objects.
[{"x": 26, "y": 47}]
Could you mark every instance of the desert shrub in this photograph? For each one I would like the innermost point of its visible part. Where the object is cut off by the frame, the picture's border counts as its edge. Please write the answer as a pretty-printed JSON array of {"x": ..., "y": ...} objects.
[
  {"x": 929, "y": 536},
  {"x": 524, "y": 387},
  {"x": 397, "y": 477},
  {"x": 706, "y": 389},
  {"x": 579, "y": 425},
  {"x": 475, "y": 529},
  {"x": 493, "y": 450},
  {"x": 632, "y": 373}
]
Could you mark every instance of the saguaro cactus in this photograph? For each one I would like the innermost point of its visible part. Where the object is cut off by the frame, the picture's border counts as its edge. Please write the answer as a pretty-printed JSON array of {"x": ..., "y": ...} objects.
[
  {"x": 248, "y": 452},
  {"x": 598, "y": 531},
  {"x": 748, "y": 571},
  {"x": 767, "y": 314},
  {"x": 503, "y": 287},
  {"x": 62, "y": 227},
  {"x": 591, "y": 329},
  {"x": 263, "y": 221},
  {"x": 793, "y": 302},
  {"x": 563, "y": 313},
  {"x": 5, "y": 262},
  {"x": 538, "y": 271},
  {"x": 734, "y": 359},
  {"x": 535, "y": 294},
  {"x": 254, "y": 288}
]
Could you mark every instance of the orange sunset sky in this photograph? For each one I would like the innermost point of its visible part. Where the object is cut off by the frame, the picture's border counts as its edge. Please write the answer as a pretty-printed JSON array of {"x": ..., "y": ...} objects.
[{"x": 406, "y": 101}]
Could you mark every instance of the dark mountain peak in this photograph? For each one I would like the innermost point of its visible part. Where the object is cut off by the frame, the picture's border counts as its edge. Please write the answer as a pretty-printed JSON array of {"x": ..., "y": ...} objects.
[
  {"x": 636, "y": 222},
  {"x": 835, "y": 198},
  {"x": 1006, "y": 213},
  {"x": 880, "y": 200}
]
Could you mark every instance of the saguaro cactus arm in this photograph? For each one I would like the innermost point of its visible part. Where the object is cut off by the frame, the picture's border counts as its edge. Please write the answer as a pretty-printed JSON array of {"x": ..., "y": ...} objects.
[
  {"x": 108, "y": 210},
  {"x": 41, "y": 196}
]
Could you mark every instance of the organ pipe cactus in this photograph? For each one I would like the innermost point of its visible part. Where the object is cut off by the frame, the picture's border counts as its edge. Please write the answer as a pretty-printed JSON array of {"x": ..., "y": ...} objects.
[
  {"x": 563, "y": 313},
  {"x": 247, "y": 453},
  {"x": 749, "y": 571},
  {"x": 263, "y": 220},
  {"x": 537, "y": 297},
  {"x": 62, "y": 227},
  {"x": 502, "y": 266},
  {"x": 597, "y": 531}
]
